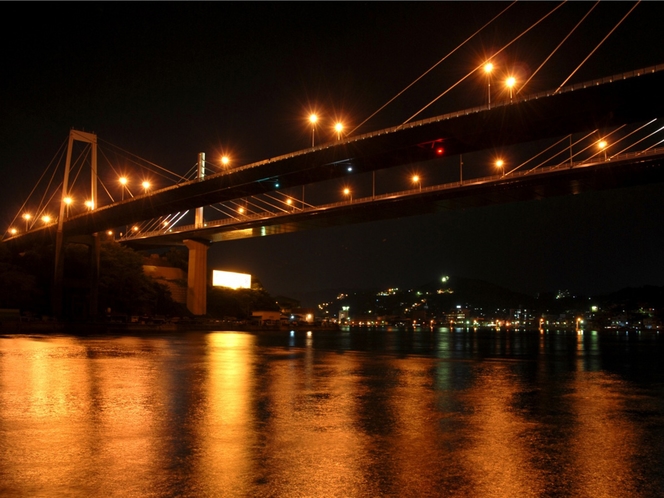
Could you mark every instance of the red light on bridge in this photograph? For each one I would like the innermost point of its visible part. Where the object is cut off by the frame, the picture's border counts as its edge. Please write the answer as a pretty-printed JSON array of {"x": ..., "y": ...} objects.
[{"x": 440, "y": 151}]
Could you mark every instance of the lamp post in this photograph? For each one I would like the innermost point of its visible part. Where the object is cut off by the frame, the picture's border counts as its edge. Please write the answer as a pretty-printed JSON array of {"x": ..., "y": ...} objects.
[
  {"x": 510, "y": 82},
  {"x": 146, "y": 186},
  {"x": 602, "y": 146},
  {"x": 349, "y": 194},
  {"x": 416, "y": 179},
  {"x": 313, "y": 119},
  {"x": 338, "y": 128},
  {"x": 225, "y": 161},
  {"x": 27, "y": 217},
  {"x": 500, "y": 164},
  {"x": 488, "y": 67},
  {"x": 123, "y": 185},
  {"x": 68, "y": 201}
]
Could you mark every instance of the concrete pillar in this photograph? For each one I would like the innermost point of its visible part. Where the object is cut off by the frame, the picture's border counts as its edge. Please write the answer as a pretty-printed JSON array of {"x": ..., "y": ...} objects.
[{"x": 197, "y": 276}]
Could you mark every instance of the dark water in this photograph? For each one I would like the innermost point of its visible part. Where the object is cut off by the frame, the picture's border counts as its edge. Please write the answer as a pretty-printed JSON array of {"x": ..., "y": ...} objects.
[{"x": 360, "y": 413}]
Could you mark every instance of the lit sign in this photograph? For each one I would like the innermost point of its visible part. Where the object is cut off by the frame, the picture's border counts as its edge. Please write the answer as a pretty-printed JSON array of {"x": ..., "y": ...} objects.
[{"x": 231, "y": 279}]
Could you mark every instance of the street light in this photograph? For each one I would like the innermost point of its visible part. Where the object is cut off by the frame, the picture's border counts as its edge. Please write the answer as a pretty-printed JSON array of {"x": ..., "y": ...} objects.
[
  {"x": 348, "y": 193},
  {"x": 13, "y": 231},
  {"x": 313, "y": 119},
  {"x": 46, "y": 218},
  {"x": 225, "y": 161},
  {"x": 338, "y": 128},
  {"x": 146, "y": 186},
  {"x": 510, "y": 82},
  {"x": 68, "y": 200},
  {"x": 602, "y": 146},
  {"x": 27, "y": 217},
  {"x": 416, "y": 179},
  {"x": 488, "y": 67},
  {"x": 499, "y": 164},
  {"x": 123, "y": 182},
  {"x": 90, "y": 205}
]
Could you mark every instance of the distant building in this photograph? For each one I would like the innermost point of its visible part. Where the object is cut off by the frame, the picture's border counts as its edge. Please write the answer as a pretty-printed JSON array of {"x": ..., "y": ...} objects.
[{"x": 287, "y": 304}]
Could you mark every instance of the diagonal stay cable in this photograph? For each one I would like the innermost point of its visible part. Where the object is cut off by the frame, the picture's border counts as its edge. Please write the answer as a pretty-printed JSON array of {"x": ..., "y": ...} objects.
[
  {"x": 481, "y": 65},
  {"x": 431, "y": 68},
  {"x": 60, "y": 151},
  {"x": 597, "y": 47},
  {"x": 143, "y": 159},
  {"x": 559, "y": 45}
]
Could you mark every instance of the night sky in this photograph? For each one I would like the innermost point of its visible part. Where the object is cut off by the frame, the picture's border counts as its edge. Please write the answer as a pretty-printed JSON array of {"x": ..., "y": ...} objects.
[{"x": 166, "y": 81}]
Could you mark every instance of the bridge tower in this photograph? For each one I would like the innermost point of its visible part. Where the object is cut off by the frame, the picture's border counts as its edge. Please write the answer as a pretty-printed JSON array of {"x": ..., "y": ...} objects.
[
  {"x": 91, "y": 241},
  {"x": 199, "y": 222}
]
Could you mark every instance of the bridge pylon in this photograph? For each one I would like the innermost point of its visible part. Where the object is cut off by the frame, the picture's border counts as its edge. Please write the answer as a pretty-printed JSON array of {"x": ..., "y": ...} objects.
[
  {"x": 92, "y": 242},
  {"x": 197, "y": 276}
]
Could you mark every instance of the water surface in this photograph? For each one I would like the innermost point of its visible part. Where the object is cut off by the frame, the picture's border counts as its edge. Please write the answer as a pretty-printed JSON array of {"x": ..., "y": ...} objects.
[{"x": 347, "y": 413}]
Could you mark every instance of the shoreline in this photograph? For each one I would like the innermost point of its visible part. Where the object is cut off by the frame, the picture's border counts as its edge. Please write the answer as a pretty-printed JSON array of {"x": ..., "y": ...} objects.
[{"x": 110, "y": 328}]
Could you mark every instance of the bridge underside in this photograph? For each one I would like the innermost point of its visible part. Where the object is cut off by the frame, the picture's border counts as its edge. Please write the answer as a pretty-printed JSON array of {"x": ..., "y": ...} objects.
[{"x": 562, "y": 182}]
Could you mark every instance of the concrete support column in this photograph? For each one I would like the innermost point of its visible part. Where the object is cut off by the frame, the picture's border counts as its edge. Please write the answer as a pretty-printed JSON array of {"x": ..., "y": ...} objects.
[{"x": 197, "y": 276}]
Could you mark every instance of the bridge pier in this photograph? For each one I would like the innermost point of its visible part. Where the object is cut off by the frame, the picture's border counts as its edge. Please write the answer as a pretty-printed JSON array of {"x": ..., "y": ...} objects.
[
  {"x": 74, "y": 298},
  {"x": 197, "y": 276}
]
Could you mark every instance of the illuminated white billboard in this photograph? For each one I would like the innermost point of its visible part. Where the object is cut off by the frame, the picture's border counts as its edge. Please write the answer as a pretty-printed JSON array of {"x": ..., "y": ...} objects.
[{"x": 231, "y": 279}]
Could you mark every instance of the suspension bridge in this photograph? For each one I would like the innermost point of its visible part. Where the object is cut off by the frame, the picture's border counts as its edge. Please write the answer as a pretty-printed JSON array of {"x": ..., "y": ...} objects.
[{"x": 597, "y": 134}]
